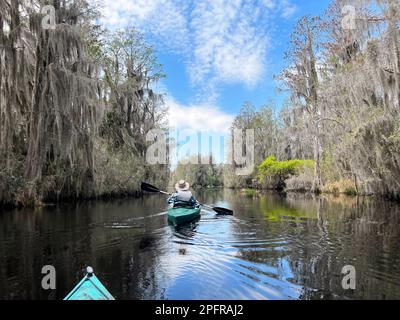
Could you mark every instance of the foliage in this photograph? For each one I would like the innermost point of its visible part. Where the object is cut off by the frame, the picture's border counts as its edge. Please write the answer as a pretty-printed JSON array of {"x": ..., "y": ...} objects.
[
  {"x": 265, "y": 125},
  {"x": 342, "y": 186},
  {"x": 130, "y": 71},
  {"x": 300, "y": 183},
  {"x": 198, "y": 175},
  {"x": 76, "y": 103},
  {"x": 344, "y": 88},
  {"x": 279, "y": 171},
  {"x": 271, "y": 166}
]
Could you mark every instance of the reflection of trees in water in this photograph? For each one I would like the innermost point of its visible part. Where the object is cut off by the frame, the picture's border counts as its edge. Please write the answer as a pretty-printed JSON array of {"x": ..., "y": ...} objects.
[
  {"x": 209, "y": 196},
  {"x": 318, "y": 236},
  {"x": 302, "y": 240},
  {"x": 72, "y": 237},
  {"x": 371, "y": 232},
  {"x": 133, "y": 262},
  {"x": 47, "y": 237}
]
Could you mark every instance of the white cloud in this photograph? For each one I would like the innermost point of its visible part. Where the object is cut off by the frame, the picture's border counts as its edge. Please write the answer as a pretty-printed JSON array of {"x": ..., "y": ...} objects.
[
  {"x": 288, "y": 9},
  {"x": 222, "y": 41},
  {"x": 284, "y": 7},
  {"x": 199, "y": 118},
  {"x": 228, "y": 45},
  {"x": 190, "y": 123},
  {"x": 270, "y": 4},
  {"x": 165, "y": 19}
]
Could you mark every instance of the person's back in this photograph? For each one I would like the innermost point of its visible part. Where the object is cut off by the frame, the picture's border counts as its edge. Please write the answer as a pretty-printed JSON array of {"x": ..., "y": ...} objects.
[{"x": 183, "y": 196}]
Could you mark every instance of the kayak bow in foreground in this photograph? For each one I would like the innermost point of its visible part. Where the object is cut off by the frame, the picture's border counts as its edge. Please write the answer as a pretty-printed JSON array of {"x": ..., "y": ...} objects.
[{"x": 89, "y": 288}]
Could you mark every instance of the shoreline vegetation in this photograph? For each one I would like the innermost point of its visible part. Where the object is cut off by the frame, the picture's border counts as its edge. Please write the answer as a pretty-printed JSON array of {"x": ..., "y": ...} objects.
[
  {"x": 77, "y": 101},
  {"x": 74, "y": 104},
  {"x": 343, "y": 110}
]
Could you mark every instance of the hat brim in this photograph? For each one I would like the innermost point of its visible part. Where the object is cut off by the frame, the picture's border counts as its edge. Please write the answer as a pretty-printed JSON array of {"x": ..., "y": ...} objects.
[{"x": 185, "y": 188}]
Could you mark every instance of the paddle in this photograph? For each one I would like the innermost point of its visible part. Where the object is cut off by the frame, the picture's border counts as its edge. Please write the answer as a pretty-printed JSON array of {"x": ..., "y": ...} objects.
[
  {"x": 150, "y": 188},
  {"x": 219, "y": 210}
]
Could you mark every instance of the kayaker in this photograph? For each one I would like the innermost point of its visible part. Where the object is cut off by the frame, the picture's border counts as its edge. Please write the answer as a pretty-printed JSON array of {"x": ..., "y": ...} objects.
[{"x": 183, "y": 197}]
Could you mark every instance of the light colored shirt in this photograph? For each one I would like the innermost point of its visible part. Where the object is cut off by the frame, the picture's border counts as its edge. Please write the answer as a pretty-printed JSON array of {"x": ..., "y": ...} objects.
[{"x": 183, "y": 198}]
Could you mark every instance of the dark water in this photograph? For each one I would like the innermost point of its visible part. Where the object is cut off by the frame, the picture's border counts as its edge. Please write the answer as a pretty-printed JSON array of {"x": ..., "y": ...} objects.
[{"x": 273, "y": 248}]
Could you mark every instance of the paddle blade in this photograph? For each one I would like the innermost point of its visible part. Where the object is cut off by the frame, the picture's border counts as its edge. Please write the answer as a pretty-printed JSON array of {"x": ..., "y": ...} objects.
[
  {"x": 149, "y": 188},
  {"x": 223, "y": 211}
]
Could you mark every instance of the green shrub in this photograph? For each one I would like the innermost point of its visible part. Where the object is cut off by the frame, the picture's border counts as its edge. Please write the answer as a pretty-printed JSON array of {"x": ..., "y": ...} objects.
[
  {"x": 276, "y": 172},
  {"x": 271, "y": 166}
]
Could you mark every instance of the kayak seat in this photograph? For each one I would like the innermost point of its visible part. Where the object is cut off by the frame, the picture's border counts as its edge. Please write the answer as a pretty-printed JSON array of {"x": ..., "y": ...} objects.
[{"x": 183, "y": 204}]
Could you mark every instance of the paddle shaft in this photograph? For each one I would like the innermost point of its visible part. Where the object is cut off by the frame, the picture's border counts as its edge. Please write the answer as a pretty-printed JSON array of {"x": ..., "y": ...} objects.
[{"x": 207, "y": 206}]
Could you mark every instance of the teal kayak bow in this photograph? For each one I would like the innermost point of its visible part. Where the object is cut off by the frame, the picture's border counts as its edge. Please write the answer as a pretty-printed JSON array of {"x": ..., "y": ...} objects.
[{"x": 89, "y": 288}]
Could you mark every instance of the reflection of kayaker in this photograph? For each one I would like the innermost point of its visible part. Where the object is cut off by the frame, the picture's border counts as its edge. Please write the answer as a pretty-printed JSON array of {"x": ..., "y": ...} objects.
[{"x": 183, "y": 197}]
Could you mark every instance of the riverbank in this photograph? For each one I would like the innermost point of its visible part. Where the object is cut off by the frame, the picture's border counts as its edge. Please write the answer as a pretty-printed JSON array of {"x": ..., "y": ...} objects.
[
  {"x": 336, "y": 189},
  {"x": 116, "y": 174},
  {"x": 330, "y": 190},
  {"x": 32, "y": 204}
]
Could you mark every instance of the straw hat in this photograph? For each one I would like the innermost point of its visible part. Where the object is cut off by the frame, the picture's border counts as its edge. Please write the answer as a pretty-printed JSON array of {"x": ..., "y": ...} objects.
[{"x": 182, "y": 185}]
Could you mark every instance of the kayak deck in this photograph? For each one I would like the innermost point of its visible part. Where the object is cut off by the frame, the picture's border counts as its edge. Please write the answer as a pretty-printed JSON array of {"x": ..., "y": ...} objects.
[
  {"x": 89, "y": 288},
  {"x": 178, "y": 216}
]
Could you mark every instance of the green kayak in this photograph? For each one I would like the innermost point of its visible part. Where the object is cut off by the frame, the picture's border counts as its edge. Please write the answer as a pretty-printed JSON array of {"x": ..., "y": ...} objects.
[
  {"x": 179, "y": 216},
  {"x": 90, "y": 288}
]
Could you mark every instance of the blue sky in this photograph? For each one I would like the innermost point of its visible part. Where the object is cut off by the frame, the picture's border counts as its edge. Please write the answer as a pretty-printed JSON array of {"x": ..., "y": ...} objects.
[
  {"x": 232, "y": 95},
  {"x": 216, "y": 54}
]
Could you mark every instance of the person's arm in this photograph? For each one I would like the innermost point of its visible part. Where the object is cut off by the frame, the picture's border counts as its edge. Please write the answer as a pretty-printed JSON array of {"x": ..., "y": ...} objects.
[
  {"x": 172, "y": 198},
  {"x": 194, "y": 201}
]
